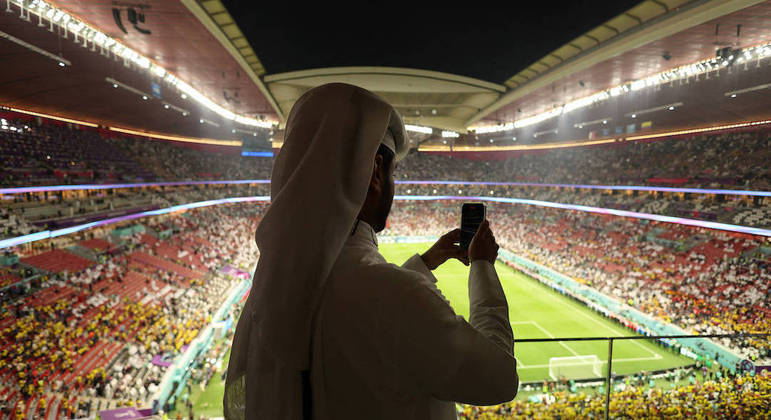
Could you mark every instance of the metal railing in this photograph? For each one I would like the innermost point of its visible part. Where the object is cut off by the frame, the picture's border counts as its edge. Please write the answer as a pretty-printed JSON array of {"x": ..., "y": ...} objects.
[{"x": 610, "y": 340}]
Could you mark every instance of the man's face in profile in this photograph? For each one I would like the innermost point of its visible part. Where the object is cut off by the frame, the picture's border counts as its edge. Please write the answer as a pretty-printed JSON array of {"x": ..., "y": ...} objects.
[{"x": 387, "y": 195}]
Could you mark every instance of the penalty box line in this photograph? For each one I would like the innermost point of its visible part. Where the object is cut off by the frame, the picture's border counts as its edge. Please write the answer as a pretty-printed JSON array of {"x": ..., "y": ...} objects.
[
  {"x": 604, "y": 362},
  {"x": 545, "y": 331},
  {"x": 655, "y": 356}
]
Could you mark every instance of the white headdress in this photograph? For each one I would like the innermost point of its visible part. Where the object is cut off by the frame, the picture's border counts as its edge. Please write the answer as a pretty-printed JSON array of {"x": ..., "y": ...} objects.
[{"x": 319, "y": 183}]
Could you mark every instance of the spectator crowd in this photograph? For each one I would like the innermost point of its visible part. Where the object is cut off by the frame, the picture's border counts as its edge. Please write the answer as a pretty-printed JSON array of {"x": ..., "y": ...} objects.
[
  {"x": 745, "y": 397},
  {"x": 82, "y": 337},
  {"x": 39, "y": 154}
]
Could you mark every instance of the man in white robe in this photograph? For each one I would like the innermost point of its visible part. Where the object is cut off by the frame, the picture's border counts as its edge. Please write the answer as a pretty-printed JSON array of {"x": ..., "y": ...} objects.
[{"x": 332, "y": 331}]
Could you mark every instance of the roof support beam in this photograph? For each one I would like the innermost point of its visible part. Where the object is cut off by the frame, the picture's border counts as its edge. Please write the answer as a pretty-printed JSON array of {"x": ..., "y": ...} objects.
[
  {"x": 605, "y": 25},
  {"x": 557, "y": 57},
  {"x": 637, "y": 18},
  {"x": 596, "y": 41},
  {"x": 664, "y": 5}
]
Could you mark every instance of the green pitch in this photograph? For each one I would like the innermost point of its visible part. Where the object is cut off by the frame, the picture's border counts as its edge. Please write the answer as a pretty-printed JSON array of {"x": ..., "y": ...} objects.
[{"x": 536, "y": 311}]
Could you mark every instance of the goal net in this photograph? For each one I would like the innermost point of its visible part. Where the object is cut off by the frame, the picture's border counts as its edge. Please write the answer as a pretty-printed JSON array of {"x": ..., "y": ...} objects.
[{"x": 575, "y": 367}]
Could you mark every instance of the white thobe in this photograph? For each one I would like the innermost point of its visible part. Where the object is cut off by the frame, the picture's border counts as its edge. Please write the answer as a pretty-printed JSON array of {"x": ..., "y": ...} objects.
[{"x": 387, "y": 345}]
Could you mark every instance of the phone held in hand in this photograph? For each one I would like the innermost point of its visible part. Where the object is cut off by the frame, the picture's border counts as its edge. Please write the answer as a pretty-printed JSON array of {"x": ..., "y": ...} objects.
[{"x": 472, "y": 215}]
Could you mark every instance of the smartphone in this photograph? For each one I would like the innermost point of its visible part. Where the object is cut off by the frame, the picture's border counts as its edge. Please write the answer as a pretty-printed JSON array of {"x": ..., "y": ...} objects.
[{"x": 471, "y": 216}]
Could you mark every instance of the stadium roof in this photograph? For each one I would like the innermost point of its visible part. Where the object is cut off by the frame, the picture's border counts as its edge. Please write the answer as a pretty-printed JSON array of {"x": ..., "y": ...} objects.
[
  {"x": 650, "y": 38},
  {"x": 447, "y": 69},
  {"x": 489, "y": 42}
]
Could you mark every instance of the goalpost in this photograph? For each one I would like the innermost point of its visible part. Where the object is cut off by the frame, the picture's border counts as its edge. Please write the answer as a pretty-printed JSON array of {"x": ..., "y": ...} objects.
[{"x": 575, "y": 367}]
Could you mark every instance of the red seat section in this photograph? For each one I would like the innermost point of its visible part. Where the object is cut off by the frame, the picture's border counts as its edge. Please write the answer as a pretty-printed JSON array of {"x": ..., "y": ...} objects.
[{"x": 57, "y": 261}]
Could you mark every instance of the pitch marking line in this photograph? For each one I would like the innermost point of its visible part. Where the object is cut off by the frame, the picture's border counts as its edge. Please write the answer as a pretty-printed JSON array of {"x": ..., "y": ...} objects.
[
  {"x": 519, "y": 362},
  {"x": 545, "y": 331},
  {"x": 655, "y": 356},
  {"x": 578, "y": 311},
  {"x": 632, "y": 359}
]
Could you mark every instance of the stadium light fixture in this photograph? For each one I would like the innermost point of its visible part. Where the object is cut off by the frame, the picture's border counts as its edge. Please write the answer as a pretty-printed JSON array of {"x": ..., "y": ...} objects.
[
  {"x": 60, "y": 60},
  {"x": 418, "y": 129},
  {"x": 182, "y": 111},
  {"x": 450, "y": 134},
  {"x": 210, "y": 122},
  {"x": 670, "y": 107},
  {"x": 734, "y": 93},
  {"x": 583, "y": 124},
  {"x": 116, "y": 84},
  {"x": 493, "y": 128},
  {"x": 544, "y": 132}
]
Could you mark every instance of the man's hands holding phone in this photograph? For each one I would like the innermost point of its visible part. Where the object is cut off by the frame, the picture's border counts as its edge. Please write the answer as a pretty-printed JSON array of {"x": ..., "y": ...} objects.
[
  {"x": 445, "y": 248},
  {"x": 482, "y": 247}
]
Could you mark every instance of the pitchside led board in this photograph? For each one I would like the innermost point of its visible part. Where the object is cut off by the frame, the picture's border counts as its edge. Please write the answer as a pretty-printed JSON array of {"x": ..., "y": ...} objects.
[{"x": 257, "y": 146}]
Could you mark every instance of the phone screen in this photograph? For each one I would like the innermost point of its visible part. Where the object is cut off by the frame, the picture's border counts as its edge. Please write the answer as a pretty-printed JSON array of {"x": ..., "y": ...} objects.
[{"x": 472, "y": 215}]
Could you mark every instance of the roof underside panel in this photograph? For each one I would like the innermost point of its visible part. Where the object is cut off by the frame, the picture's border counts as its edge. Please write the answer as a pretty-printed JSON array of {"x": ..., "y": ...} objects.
[
  {"x": 180, "y": 44},
  {"x": 689, "y": 46}
]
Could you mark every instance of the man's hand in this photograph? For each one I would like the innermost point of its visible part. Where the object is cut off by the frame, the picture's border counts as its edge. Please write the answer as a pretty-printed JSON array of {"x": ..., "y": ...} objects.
[
  {"x": 444, "y": 249},
  {"x": 483, "y": 246}
]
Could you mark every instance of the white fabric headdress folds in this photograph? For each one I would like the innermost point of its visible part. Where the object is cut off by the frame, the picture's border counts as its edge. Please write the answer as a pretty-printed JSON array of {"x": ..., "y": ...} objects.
[{"x": 319, "y": 183}]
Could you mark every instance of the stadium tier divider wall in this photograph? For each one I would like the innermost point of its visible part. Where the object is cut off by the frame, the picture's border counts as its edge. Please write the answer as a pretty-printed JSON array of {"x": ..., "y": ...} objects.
[{"x": 607, "y": 306}]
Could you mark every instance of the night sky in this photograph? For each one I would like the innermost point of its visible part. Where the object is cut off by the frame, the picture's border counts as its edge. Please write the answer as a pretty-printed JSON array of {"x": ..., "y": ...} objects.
[{"x": 474, "y": 39}]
